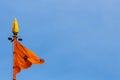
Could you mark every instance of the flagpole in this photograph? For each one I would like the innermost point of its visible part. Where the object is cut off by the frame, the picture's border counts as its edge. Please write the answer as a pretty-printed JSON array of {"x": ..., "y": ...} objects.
[
  {"x": 11, "y": 39},
  {"x": 15, "y": 30}
]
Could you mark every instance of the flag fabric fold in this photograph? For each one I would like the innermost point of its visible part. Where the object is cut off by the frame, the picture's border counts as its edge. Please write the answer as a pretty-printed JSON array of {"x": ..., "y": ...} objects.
[{"x": 23, "y": 58}]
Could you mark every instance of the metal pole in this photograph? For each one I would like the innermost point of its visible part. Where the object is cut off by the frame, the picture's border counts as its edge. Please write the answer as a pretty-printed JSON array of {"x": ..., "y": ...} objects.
[{"x": 11, "y": 39}]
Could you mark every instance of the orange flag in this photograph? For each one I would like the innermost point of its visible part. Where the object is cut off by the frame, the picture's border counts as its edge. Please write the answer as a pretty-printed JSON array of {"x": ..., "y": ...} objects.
[{"x": 23, "y": 58}]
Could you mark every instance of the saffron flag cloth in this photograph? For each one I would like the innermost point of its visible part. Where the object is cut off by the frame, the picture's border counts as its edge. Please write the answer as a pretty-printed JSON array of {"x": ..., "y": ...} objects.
[{"x": 23, "y": 58}]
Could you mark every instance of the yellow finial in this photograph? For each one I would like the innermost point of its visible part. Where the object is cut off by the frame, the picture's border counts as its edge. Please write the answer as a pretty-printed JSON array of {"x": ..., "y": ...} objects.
[{"x": 15, "y": 27}]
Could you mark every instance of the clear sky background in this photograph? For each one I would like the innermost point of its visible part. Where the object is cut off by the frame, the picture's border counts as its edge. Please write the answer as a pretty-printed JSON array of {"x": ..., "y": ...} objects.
[{"x": 79, "y": 39}]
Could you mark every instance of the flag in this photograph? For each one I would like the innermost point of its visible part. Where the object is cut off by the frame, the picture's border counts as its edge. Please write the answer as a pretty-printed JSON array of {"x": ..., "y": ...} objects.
[{"x": 23, "y": 58}]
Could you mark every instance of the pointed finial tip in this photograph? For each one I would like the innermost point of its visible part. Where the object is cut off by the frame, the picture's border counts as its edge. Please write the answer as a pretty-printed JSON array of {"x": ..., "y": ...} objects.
[
  {"x": 15, "y": 27},
  {"x": 15, "y": 18}
]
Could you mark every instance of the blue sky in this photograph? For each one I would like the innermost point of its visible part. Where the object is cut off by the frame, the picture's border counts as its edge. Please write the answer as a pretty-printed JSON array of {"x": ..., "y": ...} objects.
[{"x": 79, "y": 39}]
